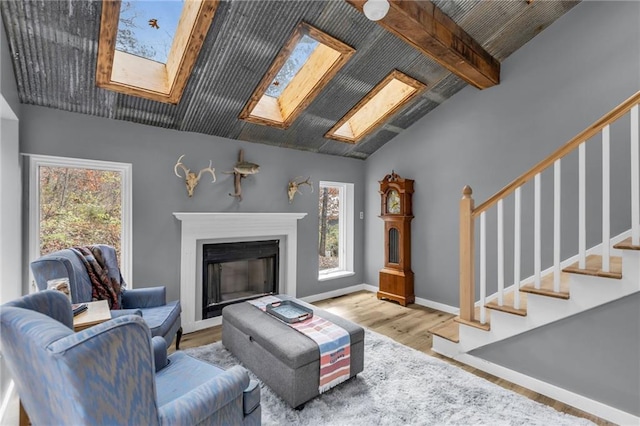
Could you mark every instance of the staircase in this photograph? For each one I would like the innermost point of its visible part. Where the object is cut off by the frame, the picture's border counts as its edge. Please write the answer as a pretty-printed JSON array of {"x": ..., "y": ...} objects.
[
  {"x": 580, "y": 289},
  {"x": 594, "y": 276}
]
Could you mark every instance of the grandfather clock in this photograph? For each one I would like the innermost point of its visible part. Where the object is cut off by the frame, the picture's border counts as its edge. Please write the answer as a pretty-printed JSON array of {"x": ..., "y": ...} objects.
[{"x": 396, "y": 278}]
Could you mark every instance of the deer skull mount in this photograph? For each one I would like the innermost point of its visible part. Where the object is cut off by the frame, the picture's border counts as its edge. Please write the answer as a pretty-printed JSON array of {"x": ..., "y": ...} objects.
[
  {"x": 294, "y": 187},
  {"x": 191, "y": 179}
]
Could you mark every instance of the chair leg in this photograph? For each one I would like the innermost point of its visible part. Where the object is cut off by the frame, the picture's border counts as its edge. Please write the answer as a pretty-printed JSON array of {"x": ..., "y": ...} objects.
[{"x": 178, "y": 337}]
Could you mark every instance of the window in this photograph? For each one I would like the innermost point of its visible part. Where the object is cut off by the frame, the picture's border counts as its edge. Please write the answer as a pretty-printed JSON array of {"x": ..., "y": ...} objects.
[
  {"x": 76, "y": 202},
  {"x": 306, "y": 63},
  {"x": 144, "y": 51},
  {"x": 384, "y": 100},
  {"x": 335, "y": 230}
]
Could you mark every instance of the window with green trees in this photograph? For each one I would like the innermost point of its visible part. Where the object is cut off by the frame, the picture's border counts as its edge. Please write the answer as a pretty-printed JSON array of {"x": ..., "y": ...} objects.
[{"x": 78, "y": 202}]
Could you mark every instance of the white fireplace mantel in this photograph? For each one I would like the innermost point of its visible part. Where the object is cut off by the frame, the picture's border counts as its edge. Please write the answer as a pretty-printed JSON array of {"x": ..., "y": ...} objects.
[{"x": 210, "y": 227}]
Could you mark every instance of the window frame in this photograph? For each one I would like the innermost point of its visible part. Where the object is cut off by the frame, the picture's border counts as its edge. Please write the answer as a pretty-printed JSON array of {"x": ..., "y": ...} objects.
[
  {"x": 36, "y": 161},
  {"x": 346, "y": 231}
]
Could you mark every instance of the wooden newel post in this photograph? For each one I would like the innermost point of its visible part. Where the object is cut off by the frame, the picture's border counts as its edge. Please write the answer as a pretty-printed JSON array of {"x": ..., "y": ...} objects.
[{"x": 467, "y": 259}]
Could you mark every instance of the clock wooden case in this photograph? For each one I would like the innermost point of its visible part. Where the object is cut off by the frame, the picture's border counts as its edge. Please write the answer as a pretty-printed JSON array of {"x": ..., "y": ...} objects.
[{"x": 396, "y": 278}]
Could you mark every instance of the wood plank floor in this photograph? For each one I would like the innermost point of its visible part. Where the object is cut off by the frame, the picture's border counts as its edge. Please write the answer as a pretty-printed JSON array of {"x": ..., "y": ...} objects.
[{"x": 406, "y": 325}]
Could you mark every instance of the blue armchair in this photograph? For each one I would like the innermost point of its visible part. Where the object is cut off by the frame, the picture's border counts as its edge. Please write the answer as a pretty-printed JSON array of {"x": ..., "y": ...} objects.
[
  {"x": 106, "y": 374},
  {"x": 162, "y": 318}
]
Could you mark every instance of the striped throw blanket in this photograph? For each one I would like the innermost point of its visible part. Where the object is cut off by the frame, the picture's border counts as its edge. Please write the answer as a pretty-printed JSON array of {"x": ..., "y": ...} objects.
[{"x": 333, "y": 341}]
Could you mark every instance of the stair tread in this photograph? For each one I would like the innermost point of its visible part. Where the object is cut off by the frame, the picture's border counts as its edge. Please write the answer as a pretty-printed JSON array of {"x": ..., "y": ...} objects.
[
  {"x": 626, "y": 245},
  {"x": 546, "y": 287},
  {"x": 508, "y": 304},
  {"x": 475, "y": 324},
  {"x": 593, "y": 267},
  {"x": 476, "y": 321},
  {"x": 449, "y": 330}
]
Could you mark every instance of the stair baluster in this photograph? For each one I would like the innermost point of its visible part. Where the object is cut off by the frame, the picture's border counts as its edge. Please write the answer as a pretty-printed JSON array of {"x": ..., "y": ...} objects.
[
  {"x": 635, "y": 178},
  {"x": 556, "y": 224},
  {"x": 500, "y": 253},
  {"x": 606, "y": 205},
  {"x": 516, "y": 249},
  {"x": 582, "y": 209},
  {"x": 483, "y": 267}
]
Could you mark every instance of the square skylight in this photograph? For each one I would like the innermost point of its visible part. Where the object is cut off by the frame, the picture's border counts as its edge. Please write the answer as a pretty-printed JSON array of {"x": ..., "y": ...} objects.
[
  {"x": 384, "y": 100},
  {"x": 148, "y": 48},
  {"x": 305, "y": 64}
]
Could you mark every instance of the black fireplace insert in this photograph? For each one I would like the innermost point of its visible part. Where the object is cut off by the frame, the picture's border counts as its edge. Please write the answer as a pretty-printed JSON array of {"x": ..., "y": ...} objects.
[{"x": 235, "y": 272}]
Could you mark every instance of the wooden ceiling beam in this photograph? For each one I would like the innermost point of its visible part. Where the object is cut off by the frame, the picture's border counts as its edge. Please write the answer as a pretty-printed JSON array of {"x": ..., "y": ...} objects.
[{"x": 421, "y": 24}]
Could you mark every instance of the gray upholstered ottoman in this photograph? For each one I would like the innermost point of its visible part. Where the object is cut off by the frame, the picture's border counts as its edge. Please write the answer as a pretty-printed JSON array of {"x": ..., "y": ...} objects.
[{"x": 283, "y": 358}]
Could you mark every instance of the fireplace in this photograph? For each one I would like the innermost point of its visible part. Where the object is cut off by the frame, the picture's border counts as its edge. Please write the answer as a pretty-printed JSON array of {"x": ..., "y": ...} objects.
[
  {"x": 211, "y": 228},
  {"x": 238, "y": 271}
]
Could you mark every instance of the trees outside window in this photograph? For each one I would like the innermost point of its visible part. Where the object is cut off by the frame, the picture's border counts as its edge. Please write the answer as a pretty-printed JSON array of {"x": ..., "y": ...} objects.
[
  {"x": 335, "y": 230},
  {"x": 77, "y": 202},
  {"x": 79, "y": 207}
]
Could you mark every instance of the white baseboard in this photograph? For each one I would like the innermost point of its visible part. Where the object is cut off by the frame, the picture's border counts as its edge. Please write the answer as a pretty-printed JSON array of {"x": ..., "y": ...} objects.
[
  {"x": 437, "y": 305},
  {"x": 367, "y": 287},
  {"x": 573, "y": 399},
  {"x": 336, "y": 293}
]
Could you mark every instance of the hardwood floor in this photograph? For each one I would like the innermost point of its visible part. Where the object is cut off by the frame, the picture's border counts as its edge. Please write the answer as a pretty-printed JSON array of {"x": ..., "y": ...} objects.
[{"x": 407, "y": 325}]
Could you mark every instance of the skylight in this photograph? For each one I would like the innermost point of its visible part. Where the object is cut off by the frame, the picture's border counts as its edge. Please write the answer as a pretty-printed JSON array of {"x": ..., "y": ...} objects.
[
  {"x": 147, "y": 28},
  {"x": 148, "y": 48},
  {"x": 305, "y": 64},
  {"x": 293, "y": 64},
  {"x": 387, "y": 97}
]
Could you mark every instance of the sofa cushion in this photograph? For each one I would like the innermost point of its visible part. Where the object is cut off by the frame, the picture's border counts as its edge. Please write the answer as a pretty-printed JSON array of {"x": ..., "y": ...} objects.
[
  {"x": 183, "y": 365},
  {"x": 160, "y": 319}
]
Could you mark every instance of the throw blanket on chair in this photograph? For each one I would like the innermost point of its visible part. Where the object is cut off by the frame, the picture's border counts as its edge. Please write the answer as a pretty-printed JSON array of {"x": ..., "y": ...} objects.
[
  {"x": 333, "y": 341},
  {"x": 103, "y": 287}
]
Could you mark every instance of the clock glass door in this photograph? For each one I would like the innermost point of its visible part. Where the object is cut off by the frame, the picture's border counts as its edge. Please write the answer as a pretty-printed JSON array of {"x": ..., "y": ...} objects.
[{"x": 394, "y": 246}]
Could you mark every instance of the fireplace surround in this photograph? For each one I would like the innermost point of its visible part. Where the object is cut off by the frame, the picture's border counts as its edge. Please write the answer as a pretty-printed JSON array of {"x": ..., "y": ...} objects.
[{"x": 211, "y": 228}]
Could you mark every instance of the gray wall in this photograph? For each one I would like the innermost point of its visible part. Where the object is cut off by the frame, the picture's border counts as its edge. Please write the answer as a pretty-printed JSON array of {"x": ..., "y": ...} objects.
[
  {"x": 564, "y": 79},
  {"x": 10, "y": 203},
  {"x": 157, "y": 192},
  {"x": 607, "y": 365},
  {"x": 10, "y": 190},
  {"x": 567, "y": 77}
]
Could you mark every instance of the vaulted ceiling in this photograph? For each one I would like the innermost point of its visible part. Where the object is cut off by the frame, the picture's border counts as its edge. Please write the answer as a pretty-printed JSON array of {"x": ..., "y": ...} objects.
[{"x": 54, "y": 46}]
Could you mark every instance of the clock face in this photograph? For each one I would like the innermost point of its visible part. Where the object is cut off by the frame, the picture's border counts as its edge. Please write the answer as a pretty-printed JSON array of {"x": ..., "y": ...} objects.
[{"x": 393, "y": 202}]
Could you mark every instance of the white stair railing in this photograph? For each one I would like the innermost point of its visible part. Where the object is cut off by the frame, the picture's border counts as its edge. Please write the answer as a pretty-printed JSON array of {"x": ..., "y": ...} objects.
[{"x": 469, "y": 214}]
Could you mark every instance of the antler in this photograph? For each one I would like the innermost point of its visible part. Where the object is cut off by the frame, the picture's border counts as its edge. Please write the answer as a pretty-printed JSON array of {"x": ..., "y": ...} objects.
[
  {"x": 179, "y": 164},
  {"x": 208, "y": 169},
  {"x": 191, "y": 179},
  {"x": 294, "y": 186}
]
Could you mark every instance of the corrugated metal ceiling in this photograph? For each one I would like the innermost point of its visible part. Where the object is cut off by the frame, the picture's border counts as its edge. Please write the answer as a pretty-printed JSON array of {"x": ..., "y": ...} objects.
[{"x": 54, "y": 47}]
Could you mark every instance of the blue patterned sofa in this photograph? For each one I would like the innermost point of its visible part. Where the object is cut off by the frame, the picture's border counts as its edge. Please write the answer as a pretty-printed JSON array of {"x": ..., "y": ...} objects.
[
  {"x": 162, "y": 318},
  {"x": 106, "y": 374}
]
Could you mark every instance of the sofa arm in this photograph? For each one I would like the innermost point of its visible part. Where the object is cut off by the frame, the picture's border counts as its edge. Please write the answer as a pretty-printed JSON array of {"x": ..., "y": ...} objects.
[
  {"x": 144, "y": 297},
  {"x": 116, "y": 313},
  {"x": 202, "y": 402},
  {"x": 159, "y": 352}
]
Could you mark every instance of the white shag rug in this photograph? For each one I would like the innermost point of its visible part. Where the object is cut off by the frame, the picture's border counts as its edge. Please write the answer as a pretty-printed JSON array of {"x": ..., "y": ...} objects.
[{"x": 402, "y": 386}]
